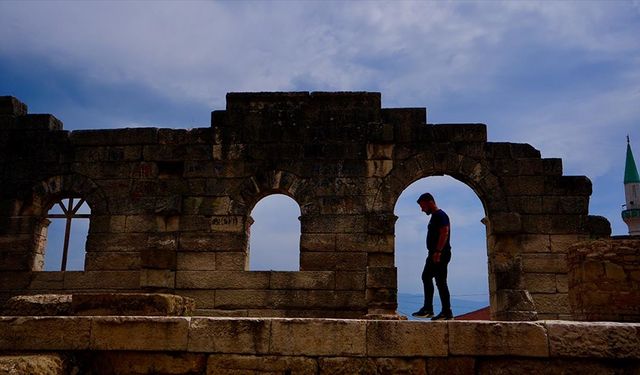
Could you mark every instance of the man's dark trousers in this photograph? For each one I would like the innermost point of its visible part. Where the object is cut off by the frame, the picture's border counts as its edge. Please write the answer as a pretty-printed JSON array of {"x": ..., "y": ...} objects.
[{"x": 436, "y": 271}]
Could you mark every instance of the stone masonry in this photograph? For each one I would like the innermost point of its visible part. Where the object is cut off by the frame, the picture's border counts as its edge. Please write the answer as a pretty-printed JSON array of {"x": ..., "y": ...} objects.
[
  {"x": 170, "y": 208},
  {"x": 604, "y": 279}
]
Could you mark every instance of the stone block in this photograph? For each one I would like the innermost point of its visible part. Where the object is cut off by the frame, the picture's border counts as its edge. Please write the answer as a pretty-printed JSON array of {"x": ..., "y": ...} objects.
[
  {"x": 556, "y": 303},
  {"x": 350, "y": 280},
  {"x": 230, "y": 336},
  {"x": 33, "y": 364},
  {"x": 371, "y": 243},
  {"x": 223, "y": 364},
  {"x": 207, "y": 241},
  {"x": 158, "y": 258},
  {"x": 126, "y": 242},
  {"x": 234, "y": 224},
  {"x": 139, "y": 223},
  {"x": 310, "y": 337},
  {"x": 47, "y": 280},
  {"x": 139, "y": 333},
  {"x": 508, "y": 366},
  {"x": 380, "y": 260},
  {"x": 78, "y": 280},
  {"x": 229, "y": 299},
  {"x": 111, "y": 261},
  {"x": 382, "y": 277},
  {"x": 540, "y": 282},
  {"x": 406, "y": 339},
  {"x": 545, "y": 263},
  {"x": 452, "y": 365},
  {"x": 348, "y": 365},
  {"x": 505, "y": 222},
  {"x": 196, "y": 261},
  {"x": 114, "y": 137},
  {"x": 38, "y": 305},
  {"x": 222, "y": 280},
  {"x": 204, "y": 299},
  {"x": 44, "y": 333},
  {"x": 325, "y": 261},
  {"x": 138, "y": 304},
  {"x": 379, "y": 168},
  {"x": 38, "y": 122},
  {"x": 594, "y": 339},
  {"x": 380, "y": 151},
  {"x": 139, "y": 363},
  {"x": 232, "y": 261},
  {"x": 498, "y": 339},
  {"x": 333, "y": 224},
  {"x": 317, "y": 242},
  {"x": 10, "y": 105},
  {"x": 317, "y": 280}
]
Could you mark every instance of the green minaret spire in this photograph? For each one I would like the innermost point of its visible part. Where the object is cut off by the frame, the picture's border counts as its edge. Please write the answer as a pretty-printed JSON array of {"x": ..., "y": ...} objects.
[{"x": 630, "y": 170}]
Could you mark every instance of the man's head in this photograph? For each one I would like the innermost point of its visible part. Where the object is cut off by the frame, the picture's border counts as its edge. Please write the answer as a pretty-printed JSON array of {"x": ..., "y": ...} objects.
[{"x": 427, "y": 203}]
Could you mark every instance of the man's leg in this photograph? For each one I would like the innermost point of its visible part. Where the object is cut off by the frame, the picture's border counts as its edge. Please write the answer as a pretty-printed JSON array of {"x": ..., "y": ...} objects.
[
  {"x": 427, "y": 281},
  {"x": 427, "y": 308},
  {"x": 443, "y": 289}
]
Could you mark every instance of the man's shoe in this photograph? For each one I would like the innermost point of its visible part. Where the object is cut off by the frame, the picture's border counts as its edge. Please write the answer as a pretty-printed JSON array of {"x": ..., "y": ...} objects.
[
  {"x": 444, "y": 315},
  {"x": 423, "y": 313}
]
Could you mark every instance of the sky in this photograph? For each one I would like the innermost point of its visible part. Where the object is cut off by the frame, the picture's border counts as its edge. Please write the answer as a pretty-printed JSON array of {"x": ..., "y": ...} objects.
[{"x": 563, "y": 76}]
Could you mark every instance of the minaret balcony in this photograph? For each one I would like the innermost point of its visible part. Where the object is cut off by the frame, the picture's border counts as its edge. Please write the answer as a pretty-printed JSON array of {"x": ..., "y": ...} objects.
[{"x": 628, "y": 214}]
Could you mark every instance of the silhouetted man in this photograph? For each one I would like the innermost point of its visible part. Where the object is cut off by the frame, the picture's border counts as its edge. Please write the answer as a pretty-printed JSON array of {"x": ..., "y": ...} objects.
[{"x": 439, "y": 248}]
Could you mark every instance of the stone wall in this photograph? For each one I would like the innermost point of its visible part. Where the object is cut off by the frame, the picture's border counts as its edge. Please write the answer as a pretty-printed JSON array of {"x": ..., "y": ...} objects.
[
  {"x": 179, "y": 345},
  {"x": 170, "y": 208},
  {"x": 604, "y": 279}
]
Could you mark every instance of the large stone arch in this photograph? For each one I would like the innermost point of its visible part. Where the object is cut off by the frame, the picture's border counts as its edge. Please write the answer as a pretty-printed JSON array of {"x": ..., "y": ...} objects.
[{"x": 508, "y": 295}]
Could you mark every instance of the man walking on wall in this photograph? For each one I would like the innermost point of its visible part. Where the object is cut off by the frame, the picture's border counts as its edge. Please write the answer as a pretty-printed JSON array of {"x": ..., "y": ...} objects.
[{"x": 439, "y": 255}]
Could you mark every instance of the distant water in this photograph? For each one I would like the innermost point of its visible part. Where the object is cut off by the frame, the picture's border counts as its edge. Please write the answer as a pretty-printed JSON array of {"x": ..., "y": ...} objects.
[{"x": 408, "y": 303}]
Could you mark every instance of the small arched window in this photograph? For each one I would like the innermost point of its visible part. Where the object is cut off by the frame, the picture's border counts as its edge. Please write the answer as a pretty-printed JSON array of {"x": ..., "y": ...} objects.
[
  {"x": 67, "y": 234},
  {"x": 275, "y": 235}
]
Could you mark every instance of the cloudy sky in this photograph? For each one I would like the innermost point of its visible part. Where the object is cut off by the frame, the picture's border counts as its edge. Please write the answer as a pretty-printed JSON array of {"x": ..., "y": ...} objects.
[{"x": 562, "y": 76}]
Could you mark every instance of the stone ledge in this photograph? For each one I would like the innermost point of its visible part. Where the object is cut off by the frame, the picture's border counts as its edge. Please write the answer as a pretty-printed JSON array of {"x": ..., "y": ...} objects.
[{"x": 323, "y": 337}]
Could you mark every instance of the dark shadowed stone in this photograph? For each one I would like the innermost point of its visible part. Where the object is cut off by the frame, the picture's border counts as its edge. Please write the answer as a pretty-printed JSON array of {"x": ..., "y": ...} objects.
[
  {"x": 132, "y": 304},
  {"x": 39, "y": 305}
]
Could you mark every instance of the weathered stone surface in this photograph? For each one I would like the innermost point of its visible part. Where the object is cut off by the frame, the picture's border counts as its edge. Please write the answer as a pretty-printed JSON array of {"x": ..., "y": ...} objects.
[
  {"x": 139, "y": 333},
  {"x": 318, "y": 337},
  {"x": 594, "y": 340},
  {"x": 41, "y": 304},
  {"x": 406, "y": 339},
  {"x": 451, "y": 365},
  {"x": 495, "y": 339},
  {"x": 316, "y": 280},
  {"x": 44, "y": 333},
  {"x": 247, "y": 364},
  {"x": 139, "y": 363},
  {"x": 222, "y": 280},
  {"x": 32, "y": 364},
  {"x": 220, "y": 335},
  {"x": 131, "y": 304},
  {"x": 501, "y": 366},
  {"x": 164, "y": 279},
  {"x": 76, "y": 280}
]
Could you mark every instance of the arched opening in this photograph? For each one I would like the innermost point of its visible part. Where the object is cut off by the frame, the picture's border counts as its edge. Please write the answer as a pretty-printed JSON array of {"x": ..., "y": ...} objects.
[
  {"x": 468, "y": 269},
  {"x": 67, "y": 226},
  {"x": 274, "y": 242}
]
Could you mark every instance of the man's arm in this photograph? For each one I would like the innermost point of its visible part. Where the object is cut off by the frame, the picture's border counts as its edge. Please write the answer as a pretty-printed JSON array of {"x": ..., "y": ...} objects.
[{"x": 442, "y": 240}]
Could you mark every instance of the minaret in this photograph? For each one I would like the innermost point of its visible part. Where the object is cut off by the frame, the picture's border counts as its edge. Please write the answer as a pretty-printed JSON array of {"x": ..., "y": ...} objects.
[{"x": 631, "y": 215}]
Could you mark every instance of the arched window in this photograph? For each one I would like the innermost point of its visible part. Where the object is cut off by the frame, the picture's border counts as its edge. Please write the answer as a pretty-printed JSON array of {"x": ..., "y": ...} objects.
[
  {"x": 67, "y": 235},
  {"x": 274, "y": 243},
  {"x": 468, "y": 271}
]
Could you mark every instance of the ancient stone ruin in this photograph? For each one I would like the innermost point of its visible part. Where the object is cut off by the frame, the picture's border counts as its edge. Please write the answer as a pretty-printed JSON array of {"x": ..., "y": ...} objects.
[{"x": 170, "y": 224}]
